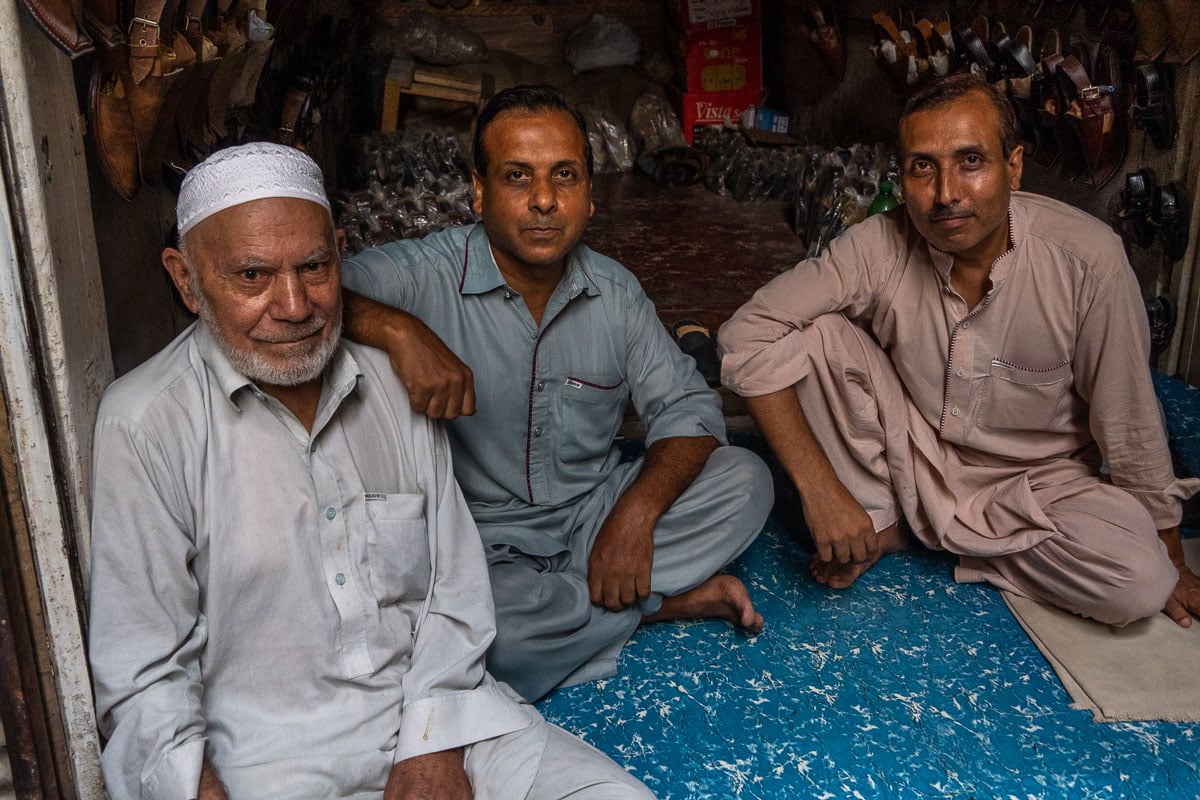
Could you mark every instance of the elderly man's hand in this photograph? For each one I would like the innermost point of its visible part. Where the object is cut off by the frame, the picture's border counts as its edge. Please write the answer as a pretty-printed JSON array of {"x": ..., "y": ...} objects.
[
  {"x": 440, "y": 385},
  {"x": 434, "y": 776}
]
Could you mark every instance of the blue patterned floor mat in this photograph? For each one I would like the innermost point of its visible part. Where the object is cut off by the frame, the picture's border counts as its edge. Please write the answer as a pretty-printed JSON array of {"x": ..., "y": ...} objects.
[{"x": 906, "y": 685}]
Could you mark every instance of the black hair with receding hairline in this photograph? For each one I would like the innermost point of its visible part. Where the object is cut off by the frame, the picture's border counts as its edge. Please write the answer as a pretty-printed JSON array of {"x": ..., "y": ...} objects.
[
  {"x": 952, "y": 87},
  {"x": 529, "y": 98}
]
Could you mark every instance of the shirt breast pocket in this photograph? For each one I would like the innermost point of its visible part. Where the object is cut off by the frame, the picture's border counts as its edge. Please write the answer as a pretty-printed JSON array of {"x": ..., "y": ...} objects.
[
  {"x": 591, "y": 417},
  {"x": 397, "y": 547},
  {"x": 1025, "y": 398}
]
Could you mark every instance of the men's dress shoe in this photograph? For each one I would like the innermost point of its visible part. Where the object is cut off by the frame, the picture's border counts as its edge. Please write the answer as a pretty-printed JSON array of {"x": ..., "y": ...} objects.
[
  {"x": 1154, "y": 105},
  {"x": 695, "y": 340},
  {"x": 1136, "y": 200},
  {"x": 1170, "y": 213},
  {"x": 1161, "y": 313},
  {"x": 61, "y": 21}
]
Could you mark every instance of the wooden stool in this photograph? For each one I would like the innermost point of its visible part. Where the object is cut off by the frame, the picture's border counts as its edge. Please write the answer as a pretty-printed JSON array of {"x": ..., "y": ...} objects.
[{"x": 405, "y": 77}]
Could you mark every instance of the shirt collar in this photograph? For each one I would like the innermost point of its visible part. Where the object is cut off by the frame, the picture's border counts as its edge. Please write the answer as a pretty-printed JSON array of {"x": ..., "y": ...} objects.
[
  {"x": 341, "y": 375},
  {"x": 481, "y": 274}
]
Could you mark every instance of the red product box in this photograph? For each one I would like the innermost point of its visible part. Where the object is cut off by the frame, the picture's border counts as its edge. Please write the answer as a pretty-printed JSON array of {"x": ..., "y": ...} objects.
[
  {"x": 713, "y": 108},
  {"x": 727, "y": 59},
  {"x": 692, "y": 14}
]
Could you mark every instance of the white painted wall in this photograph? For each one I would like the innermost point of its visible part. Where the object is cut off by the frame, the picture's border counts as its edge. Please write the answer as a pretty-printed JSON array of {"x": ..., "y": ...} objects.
[{"x": 54, "y": 354}]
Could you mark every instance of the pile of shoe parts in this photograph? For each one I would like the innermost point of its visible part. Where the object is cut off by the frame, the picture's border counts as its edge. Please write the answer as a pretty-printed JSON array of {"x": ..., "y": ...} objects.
[
  {"x": 408, "y": 183},
  {"x": 829, "y": 189}
]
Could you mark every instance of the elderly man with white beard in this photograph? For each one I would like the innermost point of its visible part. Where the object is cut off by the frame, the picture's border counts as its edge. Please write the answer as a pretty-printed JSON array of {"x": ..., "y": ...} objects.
[{"x": 286, "y": 593}]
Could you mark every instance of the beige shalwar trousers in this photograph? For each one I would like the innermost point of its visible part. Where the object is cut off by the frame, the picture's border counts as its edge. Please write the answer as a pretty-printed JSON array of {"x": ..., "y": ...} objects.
[{"x": 1053, "y": 530}]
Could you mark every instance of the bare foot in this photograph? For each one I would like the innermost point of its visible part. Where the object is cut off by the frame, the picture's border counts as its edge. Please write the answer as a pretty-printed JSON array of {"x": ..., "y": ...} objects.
[
  {"x": 719, "y": 597},
  {"x": 839, "y": 575}
]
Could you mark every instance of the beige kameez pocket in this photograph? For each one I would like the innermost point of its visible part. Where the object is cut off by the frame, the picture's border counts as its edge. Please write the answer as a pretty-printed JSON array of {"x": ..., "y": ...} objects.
[
  {"x": 397, "y": 546},
  {"x": 1025, "y": 398}
]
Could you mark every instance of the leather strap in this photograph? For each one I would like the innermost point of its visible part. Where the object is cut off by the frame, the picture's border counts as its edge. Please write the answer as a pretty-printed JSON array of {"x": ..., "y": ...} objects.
[
  {"x": 145, "y": 35},
  {"x": 295, "y": 104}
]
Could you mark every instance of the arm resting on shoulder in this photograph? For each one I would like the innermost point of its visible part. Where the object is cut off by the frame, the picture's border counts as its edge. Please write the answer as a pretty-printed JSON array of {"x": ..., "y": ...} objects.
[
  {"x": 1185, "y": 600},
  {"x": 841, "y": 528},
  {"x": 439, "y": 384},
  {"x": 623, "y": 553},
  {"x": 433, "y": 776}
]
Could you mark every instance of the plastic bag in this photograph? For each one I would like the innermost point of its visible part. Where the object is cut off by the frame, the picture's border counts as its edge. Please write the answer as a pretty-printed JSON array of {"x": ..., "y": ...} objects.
[
  {"x": 654, "y": 124},
  {"x": 431, "y": 39},
  {"x": 618, "y": 147},
  {"x": 602, "y": 42}
]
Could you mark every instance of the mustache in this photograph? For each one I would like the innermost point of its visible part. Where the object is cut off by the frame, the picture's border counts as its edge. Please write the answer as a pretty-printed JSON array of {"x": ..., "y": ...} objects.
[
  {"x": 950, "y": 212},
  {"x": 286, "y": 332}
]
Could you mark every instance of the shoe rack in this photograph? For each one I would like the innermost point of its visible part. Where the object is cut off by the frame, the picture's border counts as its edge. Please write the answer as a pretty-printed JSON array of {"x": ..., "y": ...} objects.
[{"x": 503, "y": 8}]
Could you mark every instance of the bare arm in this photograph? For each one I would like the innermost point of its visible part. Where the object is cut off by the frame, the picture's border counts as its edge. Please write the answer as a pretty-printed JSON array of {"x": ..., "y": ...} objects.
[
  {"x": 840, "y": 526},
  {"x": 434, "y": 776},
  {"x": 1185, "y": 600},
  {"x": 623, "y": 553},
  {"x": 439, "y": 384},
  {"x": 211, "y": 787}
]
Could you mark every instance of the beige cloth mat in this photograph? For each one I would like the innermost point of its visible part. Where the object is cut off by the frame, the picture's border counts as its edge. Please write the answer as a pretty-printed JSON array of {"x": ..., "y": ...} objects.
[{"x": 1149, "y": 670}]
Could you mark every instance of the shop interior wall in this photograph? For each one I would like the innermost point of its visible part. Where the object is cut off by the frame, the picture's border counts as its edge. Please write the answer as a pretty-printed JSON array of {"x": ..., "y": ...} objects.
[{"x": 859, "y": 106}]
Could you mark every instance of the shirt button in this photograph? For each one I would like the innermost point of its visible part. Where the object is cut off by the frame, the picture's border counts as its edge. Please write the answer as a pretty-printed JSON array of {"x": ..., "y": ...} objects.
[
  {"x": 954, "y": 411},
  {"x": 537, "y": 431},
  {"x": 960, "y": 372},
  {"x": 541, "y": 385},
  {"x": 966, "y": 325},
  {"x": 330, "y": 513},
  {"x": 339, "y": 579}
]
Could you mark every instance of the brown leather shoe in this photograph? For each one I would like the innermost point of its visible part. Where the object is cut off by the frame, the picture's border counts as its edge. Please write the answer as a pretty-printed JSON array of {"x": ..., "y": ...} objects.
[
  {"x": 112, "y": 123},
  {"x": 61, "y": 21}
]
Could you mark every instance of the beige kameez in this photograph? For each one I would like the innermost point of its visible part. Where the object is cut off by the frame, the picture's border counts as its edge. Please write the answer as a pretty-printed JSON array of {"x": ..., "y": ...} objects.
[{"x": 985, "y": 428}]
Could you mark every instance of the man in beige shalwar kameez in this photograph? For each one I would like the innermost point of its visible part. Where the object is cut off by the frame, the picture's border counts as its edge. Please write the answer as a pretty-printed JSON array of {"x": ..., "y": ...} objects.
[{"x": 961, "y": 369}]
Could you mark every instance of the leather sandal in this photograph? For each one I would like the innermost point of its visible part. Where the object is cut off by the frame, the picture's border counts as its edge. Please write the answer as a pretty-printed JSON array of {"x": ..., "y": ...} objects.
[
  {"x": 112, "y": 122},
  {"x": 695, "y": 340},
  {"x": 1089, "y": 120},
  {"x": 893, "y": 51},
  {"x": 1137, "y": 198},
  {"x": 62, "y": 22},
  {"x": 972, "y": 52},
  {"x": 1055, "y": 10},
  {"x": 826, "y": 37},
  {"x": 1047, "y": 107},
  {"x": 1169, "y": 211},
  {"x": 1154, "y": 105}
]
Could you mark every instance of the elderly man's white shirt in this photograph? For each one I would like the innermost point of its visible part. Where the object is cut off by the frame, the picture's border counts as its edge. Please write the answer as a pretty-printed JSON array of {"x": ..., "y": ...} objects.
[{"x": 304, "y": 608}]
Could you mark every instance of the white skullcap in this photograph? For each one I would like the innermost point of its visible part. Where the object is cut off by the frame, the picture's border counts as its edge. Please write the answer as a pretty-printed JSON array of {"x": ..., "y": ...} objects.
[{"x": 247, "y": 172}]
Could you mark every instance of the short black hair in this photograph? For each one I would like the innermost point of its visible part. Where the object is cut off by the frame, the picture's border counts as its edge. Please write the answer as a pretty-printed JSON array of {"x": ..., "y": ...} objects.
[
  {"x": 952, "y": 87},
  {"x": 538, "y": 97}
]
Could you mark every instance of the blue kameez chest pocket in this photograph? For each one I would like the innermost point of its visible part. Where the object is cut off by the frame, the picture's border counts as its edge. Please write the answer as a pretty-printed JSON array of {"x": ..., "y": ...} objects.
[
  {"x": 397, "y": 546},
  {"x": 591, "y": 416}
]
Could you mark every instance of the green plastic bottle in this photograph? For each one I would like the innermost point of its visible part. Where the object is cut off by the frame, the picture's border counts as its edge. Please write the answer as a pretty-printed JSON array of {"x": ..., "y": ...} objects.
[{"x": 885, "y": 200}]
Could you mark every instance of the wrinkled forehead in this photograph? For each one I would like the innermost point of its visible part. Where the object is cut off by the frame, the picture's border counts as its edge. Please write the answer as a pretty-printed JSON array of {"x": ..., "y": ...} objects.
[{"x": 281, "y": 228}]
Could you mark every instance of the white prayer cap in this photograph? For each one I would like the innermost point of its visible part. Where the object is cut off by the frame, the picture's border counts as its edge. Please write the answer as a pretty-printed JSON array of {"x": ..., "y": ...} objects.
[{"x": 243, "y": 173}]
